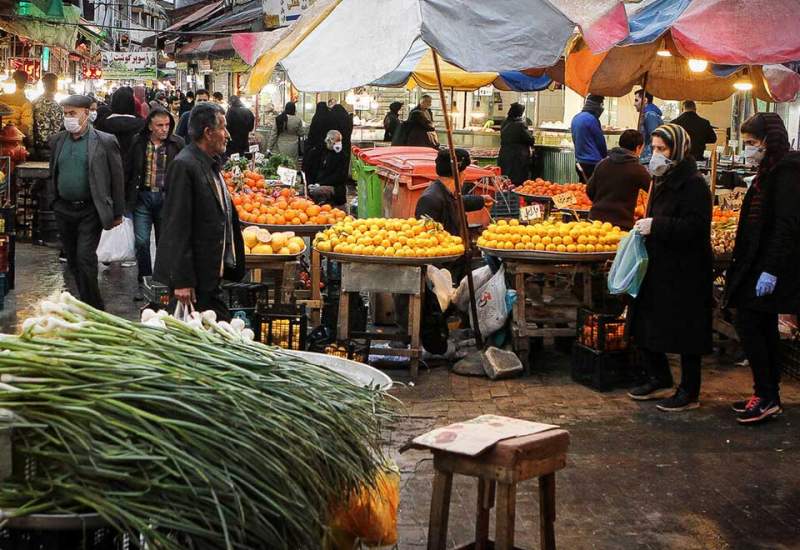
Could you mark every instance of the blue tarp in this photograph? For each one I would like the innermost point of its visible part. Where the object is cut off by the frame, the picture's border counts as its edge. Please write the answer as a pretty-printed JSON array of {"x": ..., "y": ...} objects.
[
  {"x": 520, "y": 82},
  {"x": 649, "y": 23}
]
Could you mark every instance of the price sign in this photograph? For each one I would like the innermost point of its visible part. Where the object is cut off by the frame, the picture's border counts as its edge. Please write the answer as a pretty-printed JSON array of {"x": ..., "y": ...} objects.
[
  {"x": 259, "y": 157},
  {"x": 531, "y": 212},
  {"x": 564, "y": 200},
  {"x": 287, "y": 175},
  {"x": 235, "y": 157},
  {"x": 254, "y": 148}
]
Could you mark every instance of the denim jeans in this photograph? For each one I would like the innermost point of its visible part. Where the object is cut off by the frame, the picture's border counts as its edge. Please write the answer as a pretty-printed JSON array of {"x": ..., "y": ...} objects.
[{"x": 146, "y": 215}]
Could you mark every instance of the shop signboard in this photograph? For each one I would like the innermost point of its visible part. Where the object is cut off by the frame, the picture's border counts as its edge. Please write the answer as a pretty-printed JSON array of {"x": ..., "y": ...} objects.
[
  {"x": 129, "y": 65},
  {"x": 30, "y": 65},
  {"x": 278, "y": 13},
  {"x": 91, "y": 72},
  {"x": 235, "y": 65},
  {"x": 204, "y": 66}
]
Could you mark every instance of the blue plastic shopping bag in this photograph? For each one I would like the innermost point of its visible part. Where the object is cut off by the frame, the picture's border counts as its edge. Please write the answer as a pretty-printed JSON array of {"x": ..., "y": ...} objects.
[{"x": 629, "y": 267}]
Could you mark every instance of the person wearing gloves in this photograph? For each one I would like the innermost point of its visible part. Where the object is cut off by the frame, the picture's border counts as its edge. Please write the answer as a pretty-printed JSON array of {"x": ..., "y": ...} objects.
[
  {"x": 587, "y": 135},
  {"x": 764, "y": 278},
  {"x": 673, "y": 310}
]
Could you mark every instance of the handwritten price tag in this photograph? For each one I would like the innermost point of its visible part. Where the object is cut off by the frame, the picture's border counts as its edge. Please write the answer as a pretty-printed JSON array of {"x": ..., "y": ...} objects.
[
  {"x": 259, "y": 157},
  {"x": 235, "y": 157},
  {"x": 564, "y": 200},
  {"x": 287, "y": 175},
  {"x": 254, "y": 148},
  {"x": 531, "y": 212}
]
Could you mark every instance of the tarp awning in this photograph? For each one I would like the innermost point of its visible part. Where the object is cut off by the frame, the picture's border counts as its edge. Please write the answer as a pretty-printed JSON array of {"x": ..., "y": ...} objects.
[
  {"x": 216, "y": 48},
  {"x": 48, "y": 29}
]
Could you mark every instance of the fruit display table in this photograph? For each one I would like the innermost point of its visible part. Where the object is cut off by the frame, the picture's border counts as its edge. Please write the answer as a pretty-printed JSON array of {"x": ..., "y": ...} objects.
[{"x": 282, "y": 269}]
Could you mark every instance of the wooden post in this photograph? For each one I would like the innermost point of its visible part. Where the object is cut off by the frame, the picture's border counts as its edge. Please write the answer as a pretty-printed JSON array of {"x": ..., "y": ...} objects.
[
  {"x": 714, "y": 160},
  {"x": 462, "y": 215},
  {"x": 641, "y": 113}
]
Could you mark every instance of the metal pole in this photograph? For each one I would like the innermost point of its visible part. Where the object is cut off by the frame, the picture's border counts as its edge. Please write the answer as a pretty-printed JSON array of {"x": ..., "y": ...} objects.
[
  {"x": 644, "y": 96},
  {"x": 462, "y": 215}
]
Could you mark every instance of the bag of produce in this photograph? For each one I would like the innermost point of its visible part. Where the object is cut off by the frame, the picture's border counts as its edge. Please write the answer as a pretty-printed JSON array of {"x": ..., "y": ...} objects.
[
  {"x": 629, "y": 267},
  {"x": 117, "y": 244},
  {"x": 491, "y": 303},
  {"x": 370, "y": 516},
  {"x": 480, "y": 277}
]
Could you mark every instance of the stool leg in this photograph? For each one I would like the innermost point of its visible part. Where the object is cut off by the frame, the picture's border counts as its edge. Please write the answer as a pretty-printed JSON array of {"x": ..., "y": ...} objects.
[
  {"x": 440, "y": 510},
  {"x": 414, "y": 320},
  {"x": 506, "y": 510},
  {"x": 547, "y": 511},
  {"x": 485, "y": 504},
  {"x": 343, "y": 330}
]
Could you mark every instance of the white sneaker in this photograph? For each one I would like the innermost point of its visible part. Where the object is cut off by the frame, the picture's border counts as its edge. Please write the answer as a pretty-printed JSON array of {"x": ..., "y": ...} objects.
[{"x": 129, "y": 263}]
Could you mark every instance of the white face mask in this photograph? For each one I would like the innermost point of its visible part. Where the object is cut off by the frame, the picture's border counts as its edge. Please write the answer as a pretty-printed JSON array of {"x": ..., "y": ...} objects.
[
  {"x": 754, "y": 154},
  {"x": 72, "y": 124},
  {"x": 659, "y": 164},
  {"x": 337, "y": 147},
  {"x": 92, "y": 116}
]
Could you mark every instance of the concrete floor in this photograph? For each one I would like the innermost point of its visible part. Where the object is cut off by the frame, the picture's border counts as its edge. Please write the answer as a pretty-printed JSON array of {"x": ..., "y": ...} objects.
[{"x": 636, "y": 478}]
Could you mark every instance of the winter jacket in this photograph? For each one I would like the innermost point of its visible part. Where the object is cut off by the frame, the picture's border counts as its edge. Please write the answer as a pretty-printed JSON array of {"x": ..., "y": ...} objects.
[
  {"x": 614, "y": 188},
  {"x": 769, "y": 242},
  {"x": 700, "y": 132},
  {"x": 672, "y": 312},
  {"x": 390, "y": 124},
  {"x": 515, "y": 150},
  {"x": 588, "y": 138},
  {"x": 240, "y": 122},
  {"x": 106, "y": 177},
  {"x": 125, "y": 128},
  {"x": 417, "y": 131},
  {"x": 182, "y": 130},
  {"x": 332, "y": 172},
  {"x": 439, "y": 204},
  {"x": 651, "y": 120},
  {"x": 191, "y": 245},
  {"x": 135, "y": 169}
]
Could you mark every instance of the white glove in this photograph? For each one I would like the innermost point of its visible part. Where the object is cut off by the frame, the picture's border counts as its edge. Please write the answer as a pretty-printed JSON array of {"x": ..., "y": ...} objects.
[{"x": 644, "y": 226}]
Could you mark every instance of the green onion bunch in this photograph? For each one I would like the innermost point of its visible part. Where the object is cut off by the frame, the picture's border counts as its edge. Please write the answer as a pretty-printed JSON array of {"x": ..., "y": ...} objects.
[{"x": 171, "y": 431}]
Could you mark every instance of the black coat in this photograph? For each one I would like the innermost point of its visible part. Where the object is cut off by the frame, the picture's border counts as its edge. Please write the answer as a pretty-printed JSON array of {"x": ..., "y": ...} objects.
[
  {"x": 240, "y": 122},
  {"x": 332, "y": 172},
  {"x": 439, "y": 204},
  {"x": 417, "y": 131},
  {"x": 190, "y": 248},
  {"x": 515, "y": 151},
  {"x": 124, "y": 128},
  {"x": 700, "y": 132},
  {"x": 769, "y": 242},
  {"x": 391, "y": 122},
  {"x": 614, "y": 188},
  {"x": 672, "y": 312}
]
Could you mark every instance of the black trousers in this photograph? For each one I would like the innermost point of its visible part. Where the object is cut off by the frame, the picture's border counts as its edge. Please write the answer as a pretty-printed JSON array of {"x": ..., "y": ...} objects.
[
  {"x": 657, "y": 366},
  {"x": 758, "y": 333},
  {"x": 588, "y": 169},
  {"x": 80, "y": 230}
]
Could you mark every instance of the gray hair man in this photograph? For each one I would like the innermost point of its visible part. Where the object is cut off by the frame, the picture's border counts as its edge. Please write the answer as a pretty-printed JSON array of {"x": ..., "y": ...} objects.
[
  {"x": 201, "y": 243},
  {"x": 329, "y": 182}
]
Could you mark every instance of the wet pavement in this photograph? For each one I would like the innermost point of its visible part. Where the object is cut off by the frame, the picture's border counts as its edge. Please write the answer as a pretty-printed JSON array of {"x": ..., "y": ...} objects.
[{"x": 636, "y": 478}]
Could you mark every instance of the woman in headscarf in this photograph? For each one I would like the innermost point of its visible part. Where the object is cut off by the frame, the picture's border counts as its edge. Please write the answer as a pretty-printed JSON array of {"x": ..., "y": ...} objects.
[
  {"x": 123, "y": 122},
  {"x": 314, "y": 150},
  {"x": 764, "y": 278},
  {"x": 288, "y": 129},
  {"x": 516, "y": 143},
  {"x": 343, "y": 122},
  {"x": 672, "y": 312},
  {"x": 391, "y": 122},
  {"x": 417, "y": 131}
]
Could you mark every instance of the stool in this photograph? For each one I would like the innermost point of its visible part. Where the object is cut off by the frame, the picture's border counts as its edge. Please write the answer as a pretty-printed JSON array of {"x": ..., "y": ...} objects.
[{"x": 499, "y": 469}]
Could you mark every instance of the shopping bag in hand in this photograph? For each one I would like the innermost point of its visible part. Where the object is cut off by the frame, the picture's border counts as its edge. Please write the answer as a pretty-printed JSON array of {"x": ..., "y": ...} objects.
[
  {"x": 117, "y": 244},
  {"x": 629, "y": 267}
]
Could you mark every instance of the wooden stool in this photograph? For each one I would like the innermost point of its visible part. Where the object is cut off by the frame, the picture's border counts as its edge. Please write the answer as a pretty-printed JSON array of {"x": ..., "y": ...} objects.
[{"x": 499, "y": 469}]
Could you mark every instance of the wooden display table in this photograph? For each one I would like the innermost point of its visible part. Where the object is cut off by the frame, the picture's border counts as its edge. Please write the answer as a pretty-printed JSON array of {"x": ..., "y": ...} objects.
[{"x": 282, "y": 269}]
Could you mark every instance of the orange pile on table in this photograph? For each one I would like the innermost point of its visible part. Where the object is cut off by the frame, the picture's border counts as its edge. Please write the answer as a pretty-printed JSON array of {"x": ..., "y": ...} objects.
[{"x": 544, "y": 188}]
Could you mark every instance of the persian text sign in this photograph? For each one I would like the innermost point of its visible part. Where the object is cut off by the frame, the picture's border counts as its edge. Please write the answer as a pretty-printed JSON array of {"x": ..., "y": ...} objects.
[{"x": 129, "y": 65}]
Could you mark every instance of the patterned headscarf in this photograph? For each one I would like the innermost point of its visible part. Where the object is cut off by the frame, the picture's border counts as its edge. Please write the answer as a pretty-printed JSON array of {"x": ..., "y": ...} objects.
[
  {"x": 770, "y": 128},
  {"x": 677, "y": 139}
]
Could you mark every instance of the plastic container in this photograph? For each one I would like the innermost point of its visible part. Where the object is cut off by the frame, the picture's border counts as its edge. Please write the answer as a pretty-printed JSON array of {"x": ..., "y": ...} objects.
[
  {"x": 348, "y": 349},
  {"x": 602, "y": 371},
  {"x": 282, "y": 325},
  {"x": 601, "y": 331}
]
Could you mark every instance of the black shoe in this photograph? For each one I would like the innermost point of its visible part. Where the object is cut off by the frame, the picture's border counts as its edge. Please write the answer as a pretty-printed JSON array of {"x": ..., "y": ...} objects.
[
  {"x": 62, "y": 257},
  {"x": 741, "y": 406},
  {"x": 681, "y": 401},
  {"x": 759, "y": 409},
  {"x": 650, "y": 390}
]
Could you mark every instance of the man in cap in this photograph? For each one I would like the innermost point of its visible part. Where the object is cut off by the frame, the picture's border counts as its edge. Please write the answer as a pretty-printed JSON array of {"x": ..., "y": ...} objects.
[
  {"x": 588, "y": 138},
  {"x": 88, "y": 185}
]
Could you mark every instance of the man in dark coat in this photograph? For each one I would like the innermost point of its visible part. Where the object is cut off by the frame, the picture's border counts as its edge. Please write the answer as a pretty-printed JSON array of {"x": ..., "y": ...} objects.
[
  {"x": 201, "y": 243},
  {"x": 330, "y": 181},
  {"x": 241, "y": 121},
  {"x": 424, "y": 107},
  {"x": 672, "y": 312},
  {"x": 764, "y": 278},
  {"x": 123, "y": 122},
  {"x": 614, "y": 187},
  {"x": 150, "y": 156},
  {"x": 699, "y": 129},
  {"x": 183, "y": 124},
  {"x": 516, "y": 143},
  {"x": 88, "y": 185},
  {"x": 417, "y": 131}
]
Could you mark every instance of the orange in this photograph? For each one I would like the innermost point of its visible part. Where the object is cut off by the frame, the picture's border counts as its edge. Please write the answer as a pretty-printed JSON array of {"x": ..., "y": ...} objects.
[
  {"x": 262, "y": 218},
  {"x": 326, "y": 208},
  {"x": 295, "y": 221},
  {"x": 279, "y": 219},
  {"x": 313, "y": 210},
  {"x": 286, "y": 192},
  {"x": 248, "y": 206},
  {"x": 270, "y": 219},
  {"x": 303, "y": 217},
  {"x": 281, "y": 205}
]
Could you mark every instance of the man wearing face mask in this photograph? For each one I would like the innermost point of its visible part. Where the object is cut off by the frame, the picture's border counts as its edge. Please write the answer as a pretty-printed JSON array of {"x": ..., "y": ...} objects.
[
  {"x": 47, "y": 117},
  {"x": 201, "y": 243},
  {"x": 330, "y": 181},
  {"x": 672, "y": 312},
  {"x": 764, "y": 278},
  {"x": 587, "y": 135},
  {"x": 87, "y": 181},
  {"x": 650, "y": 120}
]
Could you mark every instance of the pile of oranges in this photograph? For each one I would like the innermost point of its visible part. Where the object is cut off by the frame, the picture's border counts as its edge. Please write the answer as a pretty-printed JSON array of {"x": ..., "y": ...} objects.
[
  {"x": 544, "y": 188},
  {"x": 251, "y": 180},
  {"x": 399, "y": 238},
  {"x": 283, "y": 208},
  {"x": 641, "y": 205},
  {"x": 720, "y": 215},
  {"x": 551, "y": 236}
]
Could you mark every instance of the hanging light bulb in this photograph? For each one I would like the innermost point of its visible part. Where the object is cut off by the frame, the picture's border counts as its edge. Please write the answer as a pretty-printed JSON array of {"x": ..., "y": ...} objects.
[
  {"x": 664, "y": 53},
  {"x": 698, "y": 65},
  {"x": 743, "y": 85}
]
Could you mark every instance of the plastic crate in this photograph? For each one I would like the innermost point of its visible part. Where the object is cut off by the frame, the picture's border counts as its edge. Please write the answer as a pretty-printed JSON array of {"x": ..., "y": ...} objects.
[
  {"x": 790, "y": 358},
  {"x": 601, "y": 331},
  {"x": 88, "y": 539},
  {"x": 603, "y": 371},
  {"x": 506, "y": 205},
  {"x": 352, "y": 350},
  {"x": 155, "y": 293},
  {"x": 245, "y": 295},
  {"x": 282, "y": 325}
]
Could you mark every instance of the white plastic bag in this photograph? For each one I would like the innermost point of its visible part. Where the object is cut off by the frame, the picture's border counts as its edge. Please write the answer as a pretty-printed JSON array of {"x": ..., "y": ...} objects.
[
  {"x": 491, "y": 303},
  {"x": 117, "y": 244},
  {"x": 479, "y": 278},
  {"x": 442, "y": 282}
]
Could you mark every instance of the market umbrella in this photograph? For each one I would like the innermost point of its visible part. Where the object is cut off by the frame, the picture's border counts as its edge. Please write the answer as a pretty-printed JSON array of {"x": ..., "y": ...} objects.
[{"x": 719, "y": 32}]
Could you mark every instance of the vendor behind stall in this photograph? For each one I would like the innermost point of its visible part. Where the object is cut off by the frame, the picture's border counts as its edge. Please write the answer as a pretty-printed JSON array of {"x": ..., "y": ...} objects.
[
  {"x": 328, "y": 185},
  {"x": 617, "y": 179}
]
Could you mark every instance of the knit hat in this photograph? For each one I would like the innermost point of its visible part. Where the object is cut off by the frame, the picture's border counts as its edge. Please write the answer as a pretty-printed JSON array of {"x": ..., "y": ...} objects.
[
  {"x": 677, "y": 139},
  {"x": 594, "y": 104}
]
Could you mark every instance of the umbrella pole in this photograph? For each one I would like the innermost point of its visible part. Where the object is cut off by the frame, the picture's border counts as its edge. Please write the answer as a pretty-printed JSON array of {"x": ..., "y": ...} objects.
[
  {"x": 641, "y": 113},
  {"x": 462, "y": 214}
]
